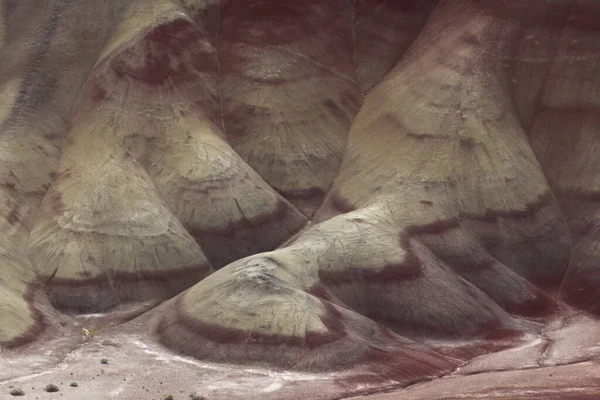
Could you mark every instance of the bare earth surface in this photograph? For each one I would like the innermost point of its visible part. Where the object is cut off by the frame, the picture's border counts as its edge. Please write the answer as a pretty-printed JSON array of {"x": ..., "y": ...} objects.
[
  {"x": 289, "y": 199},
  {"x": 561, "y": 362}
]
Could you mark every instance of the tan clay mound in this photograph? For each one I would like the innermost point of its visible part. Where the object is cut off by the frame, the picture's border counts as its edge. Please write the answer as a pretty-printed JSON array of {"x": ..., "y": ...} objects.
[{"x": 397, "y": 186}]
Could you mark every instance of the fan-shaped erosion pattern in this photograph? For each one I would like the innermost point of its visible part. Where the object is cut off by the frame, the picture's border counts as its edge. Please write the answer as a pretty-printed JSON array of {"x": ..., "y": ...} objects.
[{"x": 391, "y": 188}]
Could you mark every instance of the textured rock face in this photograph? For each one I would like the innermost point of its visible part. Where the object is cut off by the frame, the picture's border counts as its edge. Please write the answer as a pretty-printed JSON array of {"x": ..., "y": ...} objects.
[{"x": 310, "y": 185}]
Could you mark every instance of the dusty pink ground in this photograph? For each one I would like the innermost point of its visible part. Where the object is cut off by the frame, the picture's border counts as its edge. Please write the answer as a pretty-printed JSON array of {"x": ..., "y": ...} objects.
[{"x": 562, "y": 362}]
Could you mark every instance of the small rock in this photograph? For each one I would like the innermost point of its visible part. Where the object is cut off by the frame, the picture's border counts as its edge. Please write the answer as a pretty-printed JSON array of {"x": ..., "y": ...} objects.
[
  {"x": 17, "y": 392},
  {"x": 51, "y": 388}
]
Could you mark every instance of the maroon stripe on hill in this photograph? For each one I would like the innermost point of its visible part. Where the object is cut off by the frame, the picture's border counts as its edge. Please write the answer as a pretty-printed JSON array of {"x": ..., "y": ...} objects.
[
  {"x": 280, "y": 213},
  {"x": 410, "y": 268},
  {"x": 584, "y": 195},
  {"x": 106, "y": 291},
  {"x": 225, "y": 335},
  {"x": 175, "y": 54}
]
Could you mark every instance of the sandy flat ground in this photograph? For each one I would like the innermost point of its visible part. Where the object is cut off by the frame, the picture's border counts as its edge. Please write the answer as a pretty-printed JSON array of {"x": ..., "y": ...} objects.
[
  {"x": 560, "y": 363},
  {"x": 573, "y": 381}
]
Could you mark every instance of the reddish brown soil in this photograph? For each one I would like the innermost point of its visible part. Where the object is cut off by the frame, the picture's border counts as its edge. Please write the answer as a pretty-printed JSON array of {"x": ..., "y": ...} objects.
[{"x": 561, "y": 362}]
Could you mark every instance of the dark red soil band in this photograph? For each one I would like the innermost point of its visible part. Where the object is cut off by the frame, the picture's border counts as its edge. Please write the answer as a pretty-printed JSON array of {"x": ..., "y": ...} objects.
[
  {"x": 164, "y": 44},
  {"x": 176, "y": 328},
  {"x": 585, "y": 16},
  {"x": 491, "y": 215},
  {"x": 101, "y": 293},
  {"x": 225, "y": 335},
  {"x": 539, "y": 305},
  {"x": 248, "y": 236},
  {"x": 278, "y": 20},
  {"x": 409, "y": 269},
  {"x": 282, "y": 212},
  {"x": 304, "y": 199},
  {"x": 582, "y": 195}
]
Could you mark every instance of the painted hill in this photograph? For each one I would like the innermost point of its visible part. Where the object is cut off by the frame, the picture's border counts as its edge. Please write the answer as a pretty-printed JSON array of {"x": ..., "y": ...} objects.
[{"x": 310, "y": 185}]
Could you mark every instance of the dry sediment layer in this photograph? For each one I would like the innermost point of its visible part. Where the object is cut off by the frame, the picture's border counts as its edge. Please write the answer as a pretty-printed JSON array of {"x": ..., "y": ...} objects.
[
  {"x": 167, "y": 140},
  {"x": 439, "y": 223}
]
